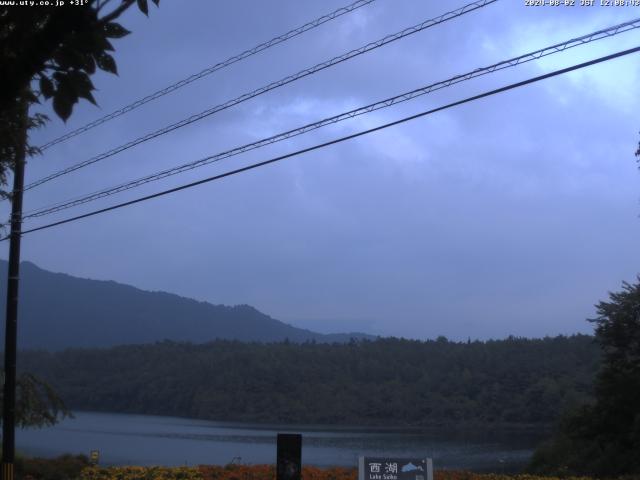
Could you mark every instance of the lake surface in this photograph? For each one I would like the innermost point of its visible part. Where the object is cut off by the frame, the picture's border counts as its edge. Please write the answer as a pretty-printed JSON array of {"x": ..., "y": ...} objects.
[{"x": 152, "y": 440}]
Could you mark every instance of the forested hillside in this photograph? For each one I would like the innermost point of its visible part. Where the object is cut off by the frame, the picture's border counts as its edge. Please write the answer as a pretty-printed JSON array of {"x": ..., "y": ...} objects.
[
  {"x": 58, "y": 311},
  {"x": 383, "y": 382}
]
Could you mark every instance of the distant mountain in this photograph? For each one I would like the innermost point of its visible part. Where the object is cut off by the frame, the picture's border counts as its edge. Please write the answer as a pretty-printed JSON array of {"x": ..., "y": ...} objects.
[{"x": 59, "y": 311}]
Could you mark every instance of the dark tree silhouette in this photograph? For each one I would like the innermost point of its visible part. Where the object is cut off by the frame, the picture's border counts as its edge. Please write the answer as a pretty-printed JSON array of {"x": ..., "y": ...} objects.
[
  {"x": 604, "y": 438},
  {"x": 49, "y": 52},
  {"x": 60, "y": 48},
  {"x": 37, "y": 404}
]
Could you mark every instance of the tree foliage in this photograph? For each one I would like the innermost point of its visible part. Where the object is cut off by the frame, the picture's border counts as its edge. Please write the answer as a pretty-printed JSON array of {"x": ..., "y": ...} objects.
[
  {"x": 49, "y": 52},
  {"x": 603, "y": 438},
  {"x": 37, "y": 404},
  {"x": 385, "y": 382},
  {"x": 11, "y": 124},
  {"x": 59, "y": 48}
]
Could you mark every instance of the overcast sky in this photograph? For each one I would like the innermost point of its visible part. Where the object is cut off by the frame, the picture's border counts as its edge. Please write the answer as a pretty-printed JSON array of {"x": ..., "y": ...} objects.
[{"x": 514, "y": 214}]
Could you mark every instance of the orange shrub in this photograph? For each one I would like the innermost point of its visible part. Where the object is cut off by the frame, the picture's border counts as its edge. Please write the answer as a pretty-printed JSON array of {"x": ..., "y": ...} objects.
[
  {"x": 140, "y": 473},
  {"x": 268, "y": 472}
]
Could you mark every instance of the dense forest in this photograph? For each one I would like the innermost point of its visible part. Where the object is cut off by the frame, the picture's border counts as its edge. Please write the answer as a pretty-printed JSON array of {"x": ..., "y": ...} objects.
[
  {"x": 602, "y": 438},
  {"x": 383, "y": 382}
]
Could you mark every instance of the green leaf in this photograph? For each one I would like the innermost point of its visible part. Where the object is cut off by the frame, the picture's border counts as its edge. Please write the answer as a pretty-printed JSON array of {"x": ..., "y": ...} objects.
[
  {"x": 67, "y": 58},
  {"x": 107, "y": 63},
  {"x": 81, "y": 85},
  {"x": 115, "y": 30},
  {"x": 63, "y": 105},
  {"x": 71, "y": 86},
  {"x": 143, "y": 6},
  {"x": 106, "y": 45},
  {"x": 88, "y": 96},
  {"x": 99, "y": 43},
  {"x": 88, "y": 64},
  {"x": 46, "y": 87}
]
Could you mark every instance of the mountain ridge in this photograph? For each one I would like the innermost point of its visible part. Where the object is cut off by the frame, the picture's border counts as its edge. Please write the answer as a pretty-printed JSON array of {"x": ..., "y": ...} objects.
[{"x": 59, "y": 311}]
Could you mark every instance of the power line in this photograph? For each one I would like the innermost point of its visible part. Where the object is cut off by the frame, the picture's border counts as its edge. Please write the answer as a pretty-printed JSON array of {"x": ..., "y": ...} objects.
[
  {"x": 208, "y": 71},
  {"x": 284, "y": 81},
  {"x": 597, "y": 35},
  {"x": 338, "y": 140}
]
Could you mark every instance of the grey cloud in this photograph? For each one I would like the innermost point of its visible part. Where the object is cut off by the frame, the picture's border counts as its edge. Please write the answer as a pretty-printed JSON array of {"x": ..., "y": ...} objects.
[{"x": 512, "y": 215}]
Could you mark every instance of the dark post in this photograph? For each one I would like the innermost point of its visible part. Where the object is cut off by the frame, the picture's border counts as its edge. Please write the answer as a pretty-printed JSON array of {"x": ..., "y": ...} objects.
[
  {"x": 11, "y": 330},
  {"x": 289, "y": 456}
]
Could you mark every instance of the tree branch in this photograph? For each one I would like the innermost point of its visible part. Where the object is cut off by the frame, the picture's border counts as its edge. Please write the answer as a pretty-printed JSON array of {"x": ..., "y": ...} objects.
[
  {"x": 102, "y": 4},
  {"x": 117, "y": 12}
]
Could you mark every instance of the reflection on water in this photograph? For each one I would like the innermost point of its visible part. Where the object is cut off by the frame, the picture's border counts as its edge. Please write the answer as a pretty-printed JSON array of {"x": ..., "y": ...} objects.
[{"x": 152, "y": 440}]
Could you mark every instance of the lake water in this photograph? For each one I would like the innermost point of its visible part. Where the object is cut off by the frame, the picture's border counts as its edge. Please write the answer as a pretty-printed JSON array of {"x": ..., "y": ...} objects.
[{"x": 153, "y": 440}]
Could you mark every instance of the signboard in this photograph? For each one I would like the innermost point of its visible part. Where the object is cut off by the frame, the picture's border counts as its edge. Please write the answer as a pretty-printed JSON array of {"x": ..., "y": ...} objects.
[
  {"x": 394, "y": 468},
  {"x": 94, "y": 457},
  {"x": 289, "y": 456}
]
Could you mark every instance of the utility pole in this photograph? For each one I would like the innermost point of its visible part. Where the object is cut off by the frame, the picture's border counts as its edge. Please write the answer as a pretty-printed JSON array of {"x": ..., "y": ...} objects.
[{"x": 11, "y": 329}]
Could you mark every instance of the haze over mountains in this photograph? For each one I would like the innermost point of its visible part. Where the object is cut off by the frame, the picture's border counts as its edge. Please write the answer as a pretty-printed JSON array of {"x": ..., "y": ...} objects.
[{"x": 59, "y": 311}]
